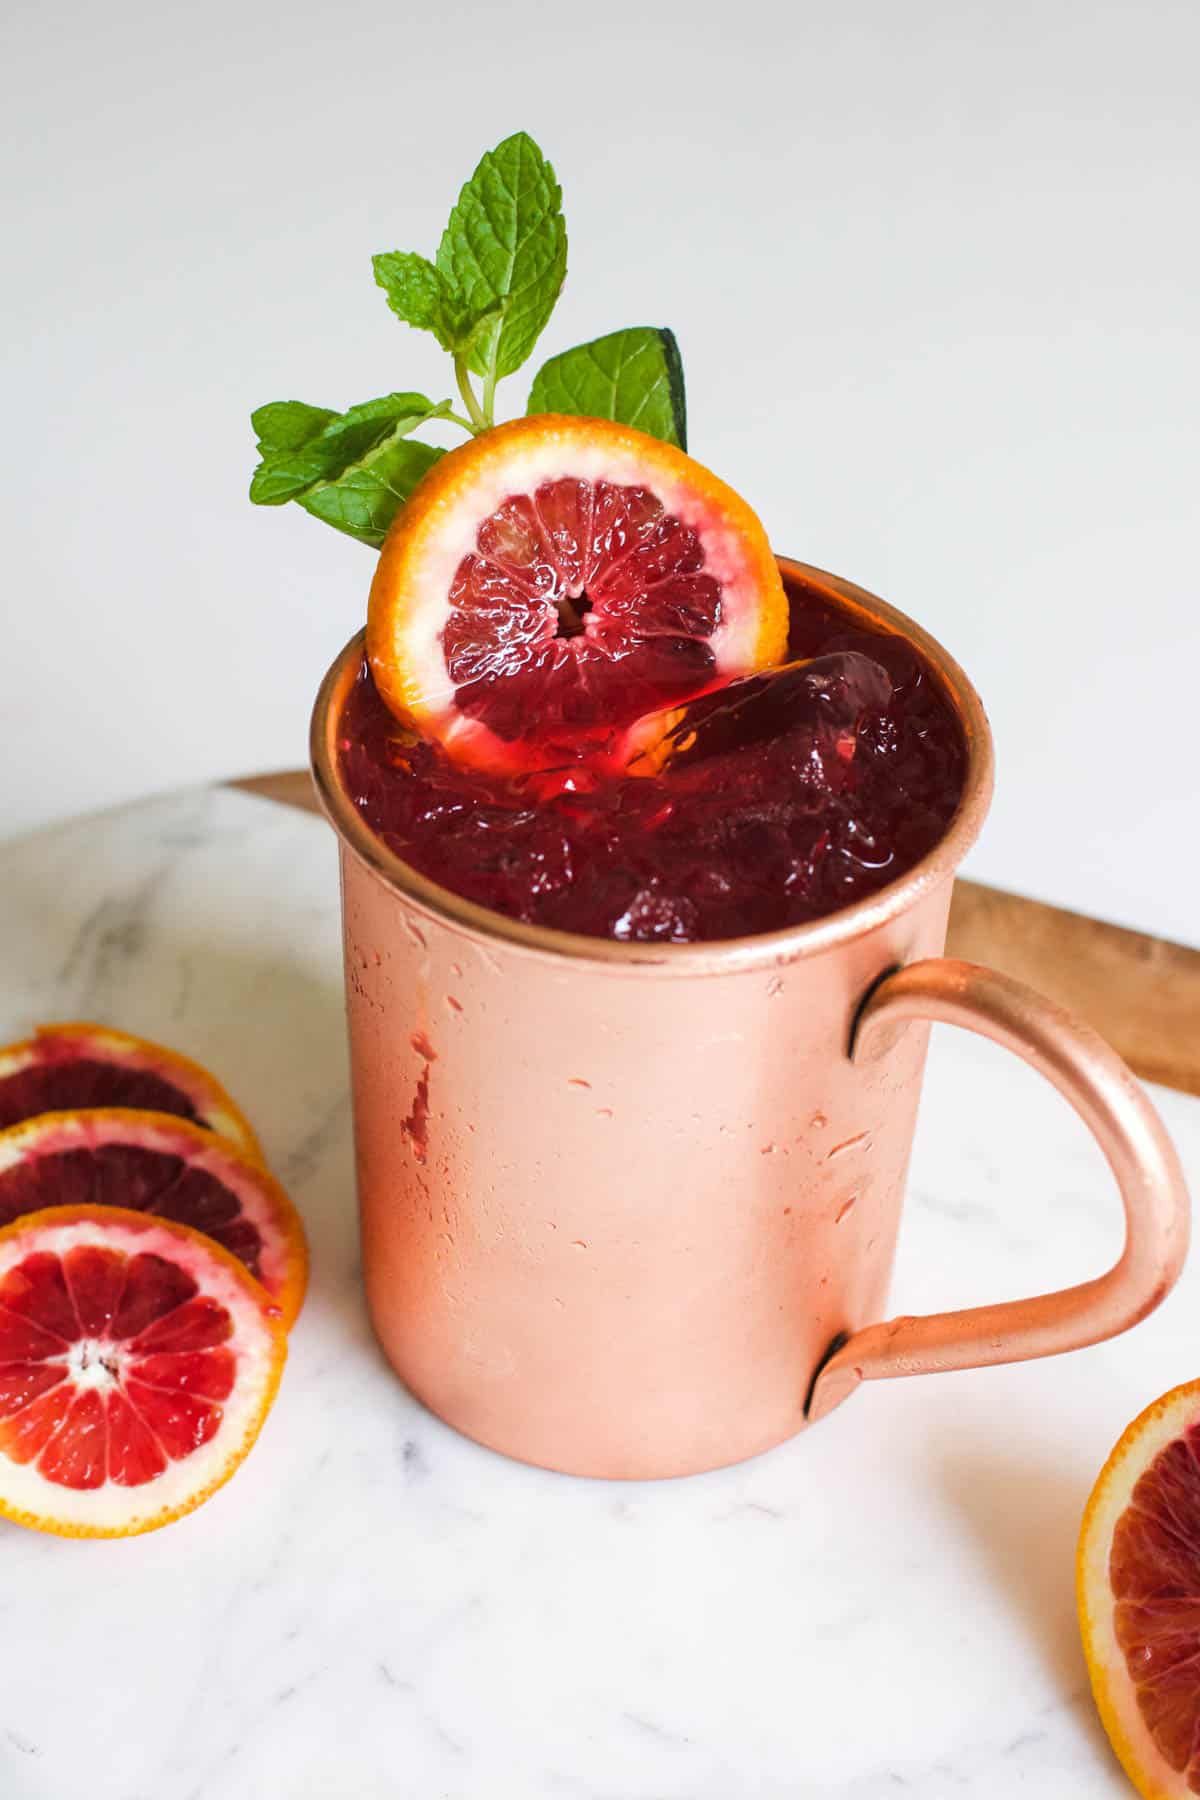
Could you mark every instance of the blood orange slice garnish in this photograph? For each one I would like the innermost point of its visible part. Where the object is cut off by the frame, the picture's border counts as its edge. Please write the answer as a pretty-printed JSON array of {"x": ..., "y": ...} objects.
[
  {"x": 557, "y": 578},
  {"x": 137, "y": 1362},
  {"x": 152, "y": 1163},
  {"x": 81, "y": 1064},
  {"x": 1138, "y": 1579}
]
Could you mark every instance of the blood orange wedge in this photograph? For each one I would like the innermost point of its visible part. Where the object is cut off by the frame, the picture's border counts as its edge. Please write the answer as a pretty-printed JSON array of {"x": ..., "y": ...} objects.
[
  {"x": 557, "y": 578},
  {"x": 152, "y": 1163},
  {"x": 137, "y": 1362},
  {"x": 82, "y": 1064},
  {"x": 1138, "y": 1580}
]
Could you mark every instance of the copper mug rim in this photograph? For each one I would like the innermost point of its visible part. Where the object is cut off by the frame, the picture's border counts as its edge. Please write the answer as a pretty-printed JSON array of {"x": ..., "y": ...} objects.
[{"x": 762, "y": 950}]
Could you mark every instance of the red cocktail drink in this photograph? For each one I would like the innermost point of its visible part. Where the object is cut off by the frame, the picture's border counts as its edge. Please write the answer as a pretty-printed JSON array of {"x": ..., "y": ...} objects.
[{"x": 821, "y": 786}]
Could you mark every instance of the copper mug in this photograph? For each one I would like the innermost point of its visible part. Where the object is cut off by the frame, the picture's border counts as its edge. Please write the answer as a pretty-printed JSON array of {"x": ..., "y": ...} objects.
[{"x": 630, "y": 1209}]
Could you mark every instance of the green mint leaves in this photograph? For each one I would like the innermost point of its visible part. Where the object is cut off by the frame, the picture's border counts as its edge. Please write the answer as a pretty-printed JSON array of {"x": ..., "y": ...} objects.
[
  {"x": 500, "y": 264},
  {"x": 504, "y": 251},
  {"x": 353, "y": 469},
  {"x": 500, "y": 267},
  {"x": 421, "y": 296},
  {"x": 486, "y": 299},
  {"x": 415, "y": 292},
  {"x": 633, "y": 376}
]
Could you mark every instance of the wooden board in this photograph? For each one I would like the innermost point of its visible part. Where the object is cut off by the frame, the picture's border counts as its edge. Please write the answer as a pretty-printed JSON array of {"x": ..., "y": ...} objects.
[{"x": 1141, "y": 993}]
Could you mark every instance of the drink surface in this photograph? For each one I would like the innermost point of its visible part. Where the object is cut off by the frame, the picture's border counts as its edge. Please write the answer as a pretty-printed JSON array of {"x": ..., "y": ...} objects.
[{"x": 773, "y": 802}]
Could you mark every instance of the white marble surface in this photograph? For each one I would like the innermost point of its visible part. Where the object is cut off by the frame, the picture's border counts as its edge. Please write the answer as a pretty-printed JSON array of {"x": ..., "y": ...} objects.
[{"x": 375, "y": 1609}]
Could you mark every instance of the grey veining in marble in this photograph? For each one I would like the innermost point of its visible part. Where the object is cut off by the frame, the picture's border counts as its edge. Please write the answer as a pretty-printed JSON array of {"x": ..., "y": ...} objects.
[{"x": 375, "y": 1609}]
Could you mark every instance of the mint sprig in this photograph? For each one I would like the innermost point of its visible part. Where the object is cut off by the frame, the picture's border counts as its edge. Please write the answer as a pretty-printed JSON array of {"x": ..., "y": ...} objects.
[{"x": 486, "y": 298}]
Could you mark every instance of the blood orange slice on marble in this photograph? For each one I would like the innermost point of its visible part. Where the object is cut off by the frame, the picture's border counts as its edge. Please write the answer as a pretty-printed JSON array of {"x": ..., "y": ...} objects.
[
  {"x": 557, "y": 578},
  {"x": 82, "y": 1064},
  {"x": 137, "y": 1362},
  {"x": 1138, "y": 1581},
  {"x": 153, "y": 1163}
]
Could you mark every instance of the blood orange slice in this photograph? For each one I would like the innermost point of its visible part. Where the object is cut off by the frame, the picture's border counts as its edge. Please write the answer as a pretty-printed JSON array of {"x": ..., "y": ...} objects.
[
  {"x": 1138, "y": 1580},
  {"x": 137, "y": 1362},
  {"x": 152, "y": 1163},
  {"x": 557, "y": 578},
  {"x": 81, "y": 1064}
]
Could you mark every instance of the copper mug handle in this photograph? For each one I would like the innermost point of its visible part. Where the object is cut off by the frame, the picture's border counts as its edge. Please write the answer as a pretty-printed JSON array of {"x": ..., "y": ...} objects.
[{"x": 1110, "y": 1102}]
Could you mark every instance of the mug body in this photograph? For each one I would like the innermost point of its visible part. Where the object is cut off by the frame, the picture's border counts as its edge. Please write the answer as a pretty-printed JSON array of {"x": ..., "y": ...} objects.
[
  {"x": 619, "y": 1201},
  {"x": 612, "y": 1221}
]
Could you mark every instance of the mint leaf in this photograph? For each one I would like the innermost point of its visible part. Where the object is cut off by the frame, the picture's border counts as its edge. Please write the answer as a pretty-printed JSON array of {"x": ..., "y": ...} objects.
[
  {"x": 633, "y": 376},
  {"x": 286, "y": 424},
  {"x": 505, "y": 248},
  {"x": 421, "y": 296},
  {"x": 415, "y": 291},
  {"x": 361, "y": 427},
  {"x": 306, "y": 444},
  {"x": 353, "y": 469},
  {"x": 366, "y": 497}
]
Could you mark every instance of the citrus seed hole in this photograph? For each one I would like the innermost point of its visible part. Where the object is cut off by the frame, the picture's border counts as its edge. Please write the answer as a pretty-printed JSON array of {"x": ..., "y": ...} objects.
[{"x": 571, "y": 615}]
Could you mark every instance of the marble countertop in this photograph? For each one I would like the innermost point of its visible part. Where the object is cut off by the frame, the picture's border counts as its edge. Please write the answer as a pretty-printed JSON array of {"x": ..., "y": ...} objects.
[{"x": 375, "y": 1609}]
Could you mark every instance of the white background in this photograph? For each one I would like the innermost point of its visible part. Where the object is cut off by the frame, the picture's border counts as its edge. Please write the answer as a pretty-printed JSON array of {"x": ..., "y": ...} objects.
[{"x": 933, "y": 267}]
